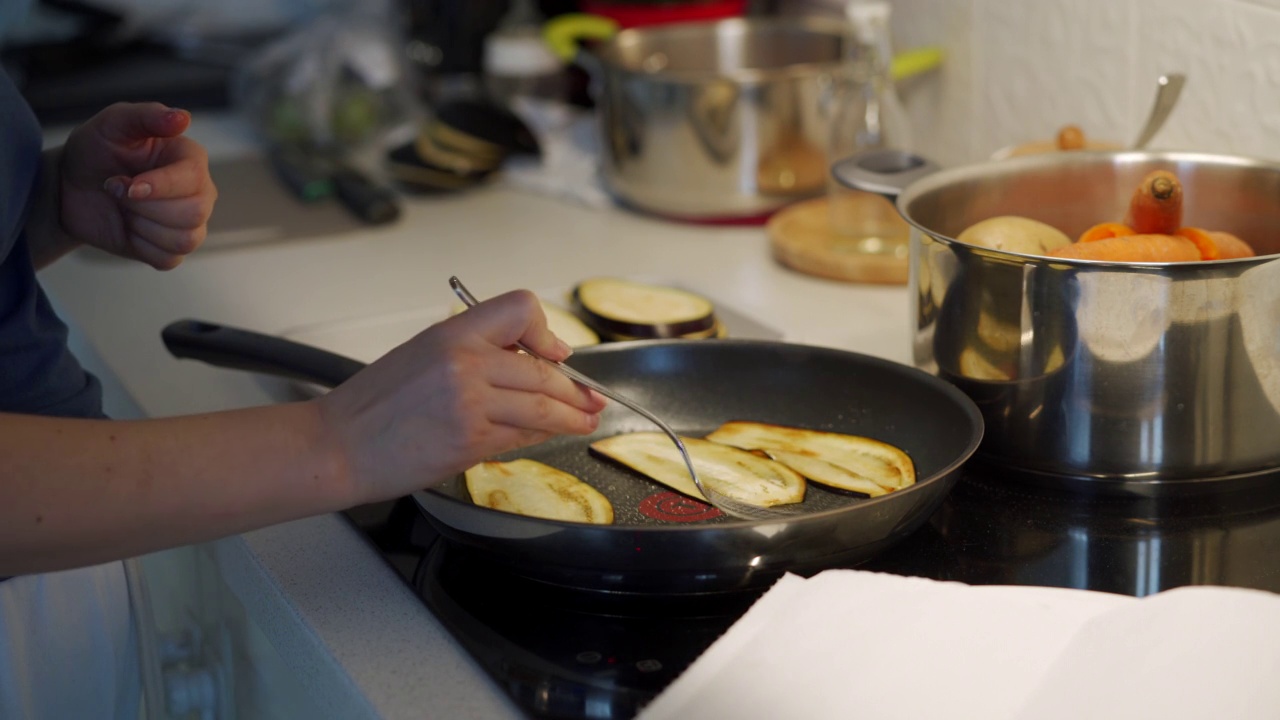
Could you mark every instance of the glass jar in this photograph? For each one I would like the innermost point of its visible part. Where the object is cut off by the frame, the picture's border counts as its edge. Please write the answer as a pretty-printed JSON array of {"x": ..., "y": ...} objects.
[{"x": 868, "y": 116}]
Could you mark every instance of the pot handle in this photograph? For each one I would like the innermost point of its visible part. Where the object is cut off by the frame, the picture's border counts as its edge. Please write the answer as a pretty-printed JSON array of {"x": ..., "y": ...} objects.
[
  {"x": 884, "y": 172},
  {"x": 238, "y": 349},
  {"x": 563, "y": 33}
]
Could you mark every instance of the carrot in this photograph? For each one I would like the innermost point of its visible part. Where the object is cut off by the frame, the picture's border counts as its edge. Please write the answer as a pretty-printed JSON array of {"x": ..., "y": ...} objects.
[
  {"x": 1133, "y": 248},
  {"x": 1070, "y": 137},
  {"x": 1216, "y": 245},
  {"x": 1105, "y": 230},
  {"x": 1208, "y": 247},
  {"x": 1230, "y": 246},
  {"x": 1156, "y": 206}
]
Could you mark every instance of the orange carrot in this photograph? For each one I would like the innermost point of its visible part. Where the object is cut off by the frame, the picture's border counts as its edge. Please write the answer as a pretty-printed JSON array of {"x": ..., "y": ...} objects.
[
  {"x": 1230, "y": 246},
  {"x": 1133, "y": 248},
  {"x": 1156, "y": 206},
  {"x": 1206, "y": 244},
  {"x": 1105, "y": 230},
  {"x": 1070, "y": 137}
]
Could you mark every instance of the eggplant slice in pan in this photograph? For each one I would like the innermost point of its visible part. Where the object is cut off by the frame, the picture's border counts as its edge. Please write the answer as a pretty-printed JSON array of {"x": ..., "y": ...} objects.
[{"x": 727, "y": 470}]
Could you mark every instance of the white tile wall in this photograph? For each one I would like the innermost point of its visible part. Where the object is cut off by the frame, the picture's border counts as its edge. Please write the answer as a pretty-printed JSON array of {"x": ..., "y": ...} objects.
[
  {"x": 941, "y": 105},
  {"x": 1017, "y": 70}
]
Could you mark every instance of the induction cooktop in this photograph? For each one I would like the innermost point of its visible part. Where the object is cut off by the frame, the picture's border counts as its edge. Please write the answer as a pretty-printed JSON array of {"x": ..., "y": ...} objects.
[{"x": 561, "y": 653}]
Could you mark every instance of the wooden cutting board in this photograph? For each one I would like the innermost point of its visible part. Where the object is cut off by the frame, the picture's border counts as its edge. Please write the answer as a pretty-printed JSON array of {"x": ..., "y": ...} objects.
[{"x": 801, "y": 237}]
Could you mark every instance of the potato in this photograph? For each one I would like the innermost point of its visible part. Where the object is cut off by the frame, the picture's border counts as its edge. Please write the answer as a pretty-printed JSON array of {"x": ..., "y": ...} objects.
[{"x": 1012, "y": 233}]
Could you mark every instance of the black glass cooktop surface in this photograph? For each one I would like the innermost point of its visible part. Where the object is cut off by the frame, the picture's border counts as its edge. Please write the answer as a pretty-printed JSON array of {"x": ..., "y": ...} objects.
[{"x": 576, "y": 654}]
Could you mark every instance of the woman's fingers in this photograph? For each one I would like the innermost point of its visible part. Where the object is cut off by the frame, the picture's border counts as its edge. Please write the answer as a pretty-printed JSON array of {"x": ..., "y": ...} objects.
[
  {"x": 183, "y": 174},
  {"x": 506, "y": 438},
  {"x": 518, "y": 371},
  {"x": 539, "y": 413},
  {"x": 514, "y": 317},
  {"x": 454, "y": 395},
  {"x": 131, "y": 123},
  {"x": 153, "y": 255},
  {"x": 179, "y": 213},
  {"x": 175, "y": 241},
  {"x": 166, "y": 209}
]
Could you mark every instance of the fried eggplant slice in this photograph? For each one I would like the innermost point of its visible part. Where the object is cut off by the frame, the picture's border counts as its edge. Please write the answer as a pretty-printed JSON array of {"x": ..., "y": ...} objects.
[
  {"x": 825, "y": 473},
  {"x": 848, "y": 462},
  {"x": 736, "y": 473},
  {"x": 528, "y": 487},
  {"x": 717, "y": 332},
  {"x": 624, "y": 308},
  {"x": 568, "y": 327}
]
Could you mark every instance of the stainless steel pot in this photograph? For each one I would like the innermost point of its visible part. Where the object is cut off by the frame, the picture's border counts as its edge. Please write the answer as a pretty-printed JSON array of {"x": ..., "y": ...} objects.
[
  {"x": 721, "y": 120},
  {"x": 1136, "y": 376}
]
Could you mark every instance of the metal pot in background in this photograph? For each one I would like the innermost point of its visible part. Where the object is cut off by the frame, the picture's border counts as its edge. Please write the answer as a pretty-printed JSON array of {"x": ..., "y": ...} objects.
[
  {"x": 721, "y": 120},
  {"x": 1131, "y": 376}
]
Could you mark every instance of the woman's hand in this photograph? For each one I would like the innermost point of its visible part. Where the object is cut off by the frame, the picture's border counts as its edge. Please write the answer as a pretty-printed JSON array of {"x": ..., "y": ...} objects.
[
  {"x": 453, "y": 396},
  {"x": 129, "y": 183}
]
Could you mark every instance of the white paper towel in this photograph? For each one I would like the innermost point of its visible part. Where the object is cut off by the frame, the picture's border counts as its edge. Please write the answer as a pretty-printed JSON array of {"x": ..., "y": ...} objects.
[
  {"x": 1194, "y": 652},
  {"x": 850, "y": 643}
]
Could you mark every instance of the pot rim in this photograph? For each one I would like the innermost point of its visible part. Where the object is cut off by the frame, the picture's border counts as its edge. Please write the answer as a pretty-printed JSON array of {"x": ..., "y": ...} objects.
[
  {"x": 1012, "y": 166},
  {"x": 607, "y": 54}
]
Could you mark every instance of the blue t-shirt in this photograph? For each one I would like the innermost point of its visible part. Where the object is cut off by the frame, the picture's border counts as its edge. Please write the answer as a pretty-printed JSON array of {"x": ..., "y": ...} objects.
[{"x": 38, "y": 373}]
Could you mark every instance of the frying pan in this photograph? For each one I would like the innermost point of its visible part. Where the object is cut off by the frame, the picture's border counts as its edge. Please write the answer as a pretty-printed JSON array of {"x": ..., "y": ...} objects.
[{"x": 660, "y": 542}]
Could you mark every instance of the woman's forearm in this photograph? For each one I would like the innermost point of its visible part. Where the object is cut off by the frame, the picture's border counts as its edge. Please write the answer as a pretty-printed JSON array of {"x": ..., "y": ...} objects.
[{"x": 76, "y": 492}]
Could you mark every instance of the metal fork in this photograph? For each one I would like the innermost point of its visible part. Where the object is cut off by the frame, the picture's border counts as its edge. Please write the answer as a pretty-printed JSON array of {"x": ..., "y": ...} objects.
[{"x": 722, "y": 502}]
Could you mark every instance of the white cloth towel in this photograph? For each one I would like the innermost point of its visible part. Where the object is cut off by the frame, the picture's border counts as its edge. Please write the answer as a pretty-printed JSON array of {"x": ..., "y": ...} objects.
[{"x": 850, "y": 643}]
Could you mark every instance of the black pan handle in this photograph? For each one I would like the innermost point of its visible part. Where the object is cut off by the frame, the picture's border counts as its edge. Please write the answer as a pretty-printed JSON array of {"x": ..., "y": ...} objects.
[{"x": 240, "y": 349}]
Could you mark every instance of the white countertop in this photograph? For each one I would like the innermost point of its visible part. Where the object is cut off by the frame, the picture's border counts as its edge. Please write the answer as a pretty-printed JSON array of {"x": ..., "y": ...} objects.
[{"x": 362, "y": 643}]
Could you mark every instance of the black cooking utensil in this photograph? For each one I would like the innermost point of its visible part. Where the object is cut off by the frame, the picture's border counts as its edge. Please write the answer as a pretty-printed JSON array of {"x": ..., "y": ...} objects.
[
  {"x": 302, "y": 173},
  {"x": 371, "y": 201},
  {"x": 315, "y": 174},
  {"x": 662, "y": 542},
  {"x": 238, "y": 349}
]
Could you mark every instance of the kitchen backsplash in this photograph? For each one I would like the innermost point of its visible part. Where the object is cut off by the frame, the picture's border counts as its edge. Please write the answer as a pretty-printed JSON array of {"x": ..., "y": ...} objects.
[{"x": 1018, "y": 70}]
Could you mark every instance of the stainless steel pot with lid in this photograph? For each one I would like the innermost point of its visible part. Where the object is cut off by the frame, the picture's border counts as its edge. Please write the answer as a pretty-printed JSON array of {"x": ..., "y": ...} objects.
[
  {"x": 721, "y": 120},
  {"x": 1134, "y": 377}
]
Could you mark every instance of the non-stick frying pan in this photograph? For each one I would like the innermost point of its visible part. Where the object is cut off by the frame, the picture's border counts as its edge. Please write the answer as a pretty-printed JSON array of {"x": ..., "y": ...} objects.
[{"x": 661, "y": 542}]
